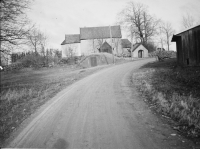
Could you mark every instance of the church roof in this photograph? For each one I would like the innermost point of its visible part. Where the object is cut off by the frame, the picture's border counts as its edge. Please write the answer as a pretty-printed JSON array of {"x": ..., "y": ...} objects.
[
  {"x": 71, "y": 38},
  {"x": 125, "y": 43},
  {"x": 105, "y": 45},
  {"x": 102, "y": 32}
]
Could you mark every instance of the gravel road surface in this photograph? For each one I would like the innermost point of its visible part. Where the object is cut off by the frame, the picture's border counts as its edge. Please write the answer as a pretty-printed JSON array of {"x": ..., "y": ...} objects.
[{"x": 99, "y": 111}]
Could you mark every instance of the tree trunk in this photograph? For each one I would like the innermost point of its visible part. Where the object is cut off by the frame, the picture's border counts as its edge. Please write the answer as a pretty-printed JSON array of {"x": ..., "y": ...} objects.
[
  {"x": 35, "y": 50},
  {"x": 168, "y": 42},
  {"x": 131, "y": 46}
]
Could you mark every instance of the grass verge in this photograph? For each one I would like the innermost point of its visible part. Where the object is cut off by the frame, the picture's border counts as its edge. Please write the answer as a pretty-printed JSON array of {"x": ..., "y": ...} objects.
[
  {"x": 24, "y": 91},
  {"x": 174, "y": 92}
]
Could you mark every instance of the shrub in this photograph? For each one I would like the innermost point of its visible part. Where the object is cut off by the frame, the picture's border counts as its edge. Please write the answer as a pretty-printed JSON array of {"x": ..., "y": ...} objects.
[
  {"x": 14, "y": 66},
  {"x": 150, "y": 46},
  {"x": 33, "y": 60},
  {"x": 69, "y": 60},
  {"x": 161, "y": 55}
]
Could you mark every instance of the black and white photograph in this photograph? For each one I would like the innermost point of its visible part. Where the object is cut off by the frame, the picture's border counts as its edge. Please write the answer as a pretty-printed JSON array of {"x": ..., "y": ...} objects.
[{"x": 100, "y": 74}]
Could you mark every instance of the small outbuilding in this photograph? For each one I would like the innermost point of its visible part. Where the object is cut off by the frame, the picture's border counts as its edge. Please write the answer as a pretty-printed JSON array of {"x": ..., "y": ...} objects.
[
  {"x": 140, "y": 51},
  {"x": 188, "y": 46},
  {"x": 106, "y": 48}
]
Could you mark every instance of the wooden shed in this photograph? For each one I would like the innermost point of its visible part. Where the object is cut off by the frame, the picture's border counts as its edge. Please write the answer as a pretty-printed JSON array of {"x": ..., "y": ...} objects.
[
  {"x": 188, "y": 46},
  {"x": 106, "y": 48}
]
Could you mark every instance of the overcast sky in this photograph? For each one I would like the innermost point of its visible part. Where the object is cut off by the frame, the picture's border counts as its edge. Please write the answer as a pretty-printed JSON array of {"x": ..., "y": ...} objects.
[{"x": 59, "y": 17}]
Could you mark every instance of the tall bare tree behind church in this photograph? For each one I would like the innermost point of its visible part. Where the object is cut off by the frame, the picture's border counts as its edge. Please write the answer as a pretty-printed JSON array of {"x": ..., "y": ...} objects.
[{"x": 141, "y": 24}]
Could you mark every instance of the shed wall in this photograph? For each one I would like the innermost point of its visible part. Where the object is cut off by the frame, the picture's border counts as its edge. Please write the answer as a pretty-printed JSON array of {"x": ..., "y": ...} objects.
[
  {"x": 188, "y": 48},
  {"x": 196, "y": 36},
  {"x": 179, "y": 51}
]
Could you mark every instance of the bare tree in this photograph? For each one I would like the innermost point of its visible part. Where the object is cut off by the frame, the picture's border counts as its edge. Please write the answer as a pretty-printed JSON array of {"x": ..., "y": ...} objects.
[
  {"x": 99, "y": 43},
  {"x": 136, "y": 17},
  {"x": 188, "y": 21},
  {"x": 44, "y": 51},
  {"x": 34, "y": 40},
  {"x": 37, "y": 40},
  {"x": 43, "y": 42},
  {"x": 13, "y": 23},
  {"x": 161, "y": 38},
  {"x": 168, "y": 31},
  {"x": 150, "y": 26}
]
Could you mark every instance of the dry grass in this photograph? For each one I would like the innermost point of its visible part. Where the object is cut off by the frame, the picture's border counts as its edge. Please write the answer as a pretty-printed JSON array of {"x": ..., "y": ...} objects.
[
  {"x": 174, "y": 92},
  {"x": 22, "y": 92}
]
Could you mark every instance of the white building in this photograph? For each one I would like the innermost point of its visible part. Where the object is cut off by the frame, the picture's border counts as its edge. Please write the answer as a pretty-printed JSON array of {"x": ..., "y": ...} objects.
[
  {"x": 91, "y": 39},
  {"x": 140, "y": 51},
  {"x": 71, "y": 45}
]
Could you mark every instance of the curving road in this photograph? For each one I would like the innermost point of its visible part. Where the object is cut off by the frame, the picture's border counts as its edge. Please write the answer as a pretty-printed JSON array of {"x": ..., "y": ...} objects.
[{"x": 99, "y": 111}]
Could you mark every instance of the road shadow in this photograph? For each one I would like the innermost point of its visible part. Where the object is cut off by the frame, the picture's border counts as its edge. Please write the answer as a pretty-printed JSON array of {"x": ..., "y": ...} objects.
[{"x": 61, "y": 144}]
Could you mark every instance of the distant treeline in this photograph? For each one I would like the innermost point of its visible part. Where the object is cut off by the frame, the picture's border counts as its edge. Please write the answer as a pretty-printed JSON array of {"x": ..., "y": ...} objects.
[{"x": 17, "y": 56}]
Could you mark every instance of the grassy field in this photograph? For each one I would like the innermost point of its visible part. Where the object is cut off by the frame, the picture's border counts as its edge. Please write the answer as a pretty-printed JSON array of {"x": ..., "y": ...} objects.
[
  {"x": 24, "y": 91},
  {"x": 173, "y": 92}
]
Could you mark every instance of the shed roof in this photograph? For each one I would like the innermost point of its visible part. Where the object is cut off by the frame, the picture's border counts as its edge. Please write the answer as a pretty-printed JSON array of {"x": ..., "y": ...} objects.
[
  {"x": 71, "y": 38},
  {"x": 175, "y": 37},
  {"x": 135, "y": 46},
  {"x": 100, "y": 32},
  {"x": 188, "y": 29},
  {"x": 105, "y": 45},
  {"x": 125, "y": 43}
]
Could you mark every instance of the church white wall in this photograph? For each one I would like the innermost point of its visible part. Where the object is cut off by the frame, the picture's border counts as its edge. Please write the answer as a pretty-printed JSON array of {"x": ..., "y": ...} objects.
[
  {"x": 71, "y": 50},
  {"x": 92, "y": 46}
]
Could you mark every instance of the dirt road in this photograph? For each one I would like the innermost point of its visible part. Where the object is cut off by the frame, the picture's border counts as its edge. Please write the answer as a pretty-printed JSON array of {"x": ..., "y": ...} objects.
[{"x": 99, "y": 111}]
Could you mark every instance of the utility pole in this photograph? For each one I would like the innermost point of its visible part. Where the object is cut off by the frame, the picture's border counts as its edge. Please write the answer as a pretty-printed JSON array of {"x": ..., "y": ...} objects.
[
  {"x": 112, "y": 45},
  {"x": 131, "y": 45},
  {"x": 93, "y": 46}
]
